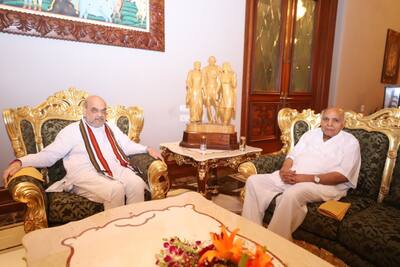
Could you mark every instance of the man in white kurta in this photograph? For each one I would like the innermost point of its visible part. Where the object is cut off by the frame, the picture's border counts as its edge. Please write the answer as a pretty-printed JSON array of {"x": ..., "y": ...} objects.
[
  {"x": 82, "y": 178},
  {"x": 323, "y": 165}
]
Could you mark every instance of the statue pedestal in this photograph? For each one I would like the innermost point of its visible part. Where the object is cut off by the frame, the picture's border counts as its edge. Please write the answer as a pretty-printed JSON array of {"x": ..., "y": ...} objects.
[{"x": 218, "y": 136}]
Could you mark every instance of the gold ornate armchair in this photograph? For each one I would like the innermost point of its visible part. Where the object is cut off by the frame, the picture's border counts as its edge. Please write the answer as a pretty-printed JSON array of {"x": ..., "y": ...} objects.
[
  {"x": 32, "y": 129},
  {"x": 369, "y": 233}
]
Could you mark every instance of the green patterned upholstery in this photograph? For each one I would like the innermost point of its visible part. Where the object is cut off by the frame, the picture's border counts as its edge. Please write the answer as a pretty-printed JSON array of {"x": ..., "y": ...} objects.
[
  {"x": 28, "y": 136},
  {"x": 374, "y": 233},
  {"x": 269, "y": 163},
  {"x": 345, "y": 253},
  {"x": 123, "y": 124},
  {"x": 142, "y": 162},
  {"x": 66, "y": 207},
  {"x": 49, "y": 131},
  {"x": 374, "y": 147},
  {"x": 300, "y": 127},
  {"x": 327, "y": 227},
  {"x": 51, "y": 128}
]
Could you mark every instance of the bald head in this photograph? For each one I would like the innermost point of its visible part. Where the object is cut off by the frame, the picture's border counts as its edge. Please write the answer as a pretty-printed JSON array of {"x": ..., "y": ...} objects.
[
  {"x": 332, "y": 121},
  {"x": 95, "y": 111}
]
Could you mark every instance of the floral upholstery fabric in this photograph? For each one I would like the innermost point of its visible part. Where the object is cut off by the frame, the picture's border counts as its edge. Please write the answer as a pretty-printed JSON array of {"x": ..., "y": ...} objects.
[
  {"x": 374, "y": 147},
  {"x": 327, "y": 227},
  {"x": 269, "y": 163},
  {"x": 321, "y": 225},
  {"x": 28, "y": 136},
  {"x": 339, "y": 250},
  {"x": 51, "y": 128},
  {"x": 49, "y": 131},
  {"x": 142, "y": 162},
  {"x": 56, "y": 172},
  {"x": 299, "y": 129},
  {"x": 66, "y": 207},
  {"x": 123, "y": 124},
  {"x": 374, "y": 233}
]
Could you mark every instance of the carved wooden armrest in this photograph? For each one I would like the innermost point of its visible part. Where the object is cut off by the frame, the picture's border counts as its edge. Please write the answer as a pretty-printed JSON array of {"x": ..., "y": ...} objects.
[
  {"x": 29, "y": 190},
  {"x": 154, "y": 172}
]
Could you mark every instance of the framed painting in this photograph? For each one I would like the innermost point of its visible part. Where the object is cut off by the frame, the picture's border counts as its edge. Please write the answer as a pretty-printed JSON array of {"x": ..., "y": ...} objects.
[
  {"x": 390, "y": 69},
  {"x": 392, "y": 96},
  {"x": 127, "y": 23}
]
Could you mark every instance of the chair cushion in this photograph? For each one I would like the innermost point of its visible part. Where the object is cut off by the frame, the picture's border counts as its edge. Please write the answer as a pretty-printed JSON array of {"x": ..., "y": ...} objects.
[
  {"x": 321, "y": 225},
  {"x": 374, "y": 234},
  {"x": 327, "y": 227},
  {"x": 374, "y": 147},
  {"x": 66, "y": 207}
]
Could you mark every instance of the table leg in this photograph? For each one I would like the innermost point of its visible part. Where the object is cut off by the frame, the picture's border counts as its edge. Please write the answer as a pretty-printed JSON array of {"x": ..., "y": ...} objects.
[{"x": 202, "y": 177}]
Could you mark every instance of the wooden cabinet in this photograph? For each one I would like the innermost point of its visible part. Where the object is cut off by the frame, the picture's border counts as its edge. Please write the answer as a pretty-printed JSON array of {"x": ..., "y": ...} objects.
[{"x": 287, "y": 63}]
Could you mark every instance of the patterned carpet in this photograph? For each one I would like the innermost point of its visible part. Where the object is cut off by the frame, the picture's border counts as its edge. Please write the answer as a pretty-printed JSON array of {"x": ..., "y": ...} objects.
[{"x": 322, "y": 253}]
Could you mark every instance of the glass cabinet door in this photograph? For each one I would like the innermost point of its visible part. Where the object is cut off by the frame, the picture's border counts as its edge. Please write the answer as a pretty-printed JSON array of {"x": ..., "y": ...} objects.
[
  {"x": 267, "y": 47},
  {"x": 300, "y": 75},
  {"x": 287, "y": 63}
]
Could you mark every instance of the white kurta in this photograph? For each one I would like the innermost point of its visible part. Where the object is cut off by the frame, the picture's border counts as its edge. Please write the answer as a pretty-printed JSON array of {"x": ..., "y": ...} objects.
[
  {"x": 82, "y": 178},
  {"x": 311, "y": 155}
]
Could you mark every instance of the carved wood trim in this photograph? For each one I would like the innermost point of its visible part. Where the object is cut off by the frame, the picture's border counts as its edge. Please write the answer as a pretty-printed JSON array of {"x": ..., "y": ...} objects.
[{"x": 36, "y": 24}]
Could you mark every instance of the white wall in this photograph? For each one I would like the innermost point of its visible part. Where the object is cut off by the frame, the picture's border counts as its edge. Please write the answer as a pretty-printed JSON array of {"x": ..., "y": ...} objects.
[
  {"x": 33, "y": 68},
  {"x": 358, "y": 52}
]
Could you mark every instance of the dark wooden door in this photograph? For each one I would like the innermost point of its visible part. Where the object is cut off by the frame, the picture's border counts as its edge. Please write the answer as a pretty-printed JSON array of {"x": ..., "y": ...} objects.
[{"x": 287, "y": 63}]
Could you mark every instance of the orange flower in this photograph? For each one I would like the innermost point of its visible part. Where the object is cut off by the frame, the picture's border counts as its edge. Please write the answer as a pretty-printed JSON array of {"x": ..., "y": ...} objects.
[
  {"x": 260, "y": 259},
  {"x": 225, "y": 247}
]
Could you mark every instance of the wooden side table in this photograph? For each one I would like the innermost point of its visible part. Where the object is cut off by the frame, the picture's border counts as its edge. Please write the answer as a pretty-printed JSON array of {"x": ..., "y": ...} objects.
[{"x": 204, "y": 161}]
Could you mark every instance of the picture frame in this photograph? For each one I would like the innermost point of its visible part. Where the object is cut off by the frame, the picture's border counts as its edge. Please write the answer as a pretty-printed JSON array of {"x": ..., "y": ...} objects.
[
  {"x": 392, "y": 96},
  {"x": 140, "y": 23},
  {"x": 390, "y": 69}
]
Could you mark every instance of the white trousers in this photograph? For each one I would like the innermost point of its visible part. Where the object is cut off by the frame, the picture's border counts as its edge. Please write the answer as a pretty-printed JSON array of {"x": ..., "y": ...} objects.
[
  {"x": 291, "y": 205},
  {"x": 111, "y": 192}
]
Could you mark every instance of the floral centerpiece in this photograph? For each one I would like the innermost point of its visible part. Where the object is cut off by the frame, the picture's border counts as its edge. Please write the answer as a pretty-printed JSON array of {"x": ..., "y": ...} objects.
[{"x": 223, "y": 251}]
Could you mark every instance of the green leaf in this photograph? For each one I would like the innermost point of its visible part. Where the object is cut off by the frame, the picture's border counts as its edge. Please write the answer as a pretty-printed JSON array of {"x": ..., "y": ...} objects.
[{"x": 243, "y": 260}]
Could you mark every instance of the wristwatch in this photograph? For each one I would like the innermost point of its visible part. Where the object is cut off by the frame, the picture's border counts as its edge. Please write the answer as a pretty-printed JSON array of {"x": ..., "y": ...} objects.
[{"x": 316, "y": 179}]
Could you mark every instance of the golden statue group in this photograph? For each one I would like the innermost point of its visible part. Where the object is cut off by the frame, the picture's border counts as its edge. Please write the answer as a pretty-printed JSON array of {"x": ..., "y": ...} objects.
[{"x": 214, "y": 88}]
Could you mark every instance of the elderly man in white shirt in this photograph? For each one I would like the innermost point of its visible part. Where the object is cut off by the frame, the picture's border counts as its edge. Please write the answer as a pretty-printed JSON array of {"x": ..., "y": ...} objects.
[
  {"x": 323, "y": 165},
  {"x": 93, "y": 154}
]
